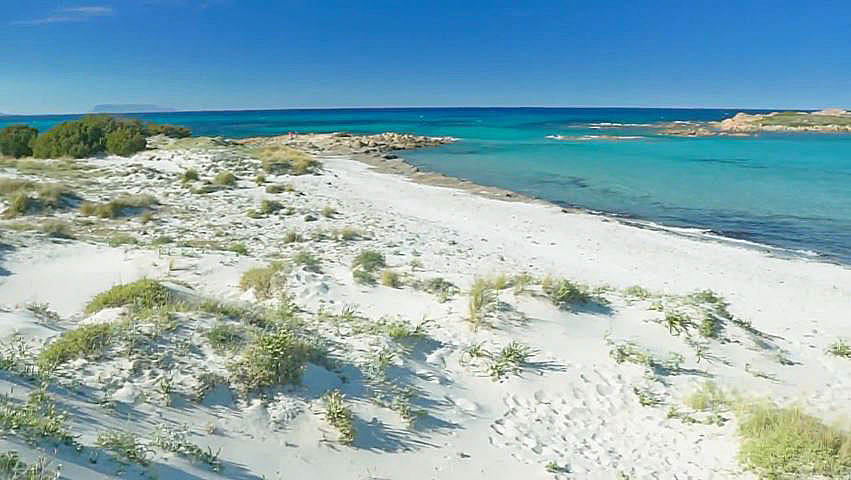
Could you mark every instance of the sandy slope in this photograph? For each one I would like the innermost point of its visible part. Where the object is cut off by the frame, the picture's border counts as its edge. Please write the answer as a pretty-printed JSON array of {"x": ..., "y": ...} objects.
[{"x": 571, "y": 404}]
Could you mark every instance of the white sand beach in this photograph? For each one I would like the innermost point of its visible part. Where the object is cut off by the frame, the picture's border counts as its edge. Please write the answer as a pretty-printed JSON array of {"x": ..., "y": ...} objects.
[{"x": 428, "y": 393}]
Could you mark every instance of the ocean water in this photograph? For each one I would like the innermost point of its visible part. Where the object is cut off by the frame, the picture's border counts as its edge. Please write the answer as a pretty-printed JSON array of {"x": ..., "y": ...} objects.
[{"x": 791, "y": 191}]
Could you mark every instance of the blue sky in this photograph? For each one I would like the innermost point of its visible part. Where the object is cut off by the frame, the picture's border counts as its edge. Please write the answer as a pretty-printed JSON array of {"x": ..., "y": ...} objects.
[{"x": 65, "y": 56}]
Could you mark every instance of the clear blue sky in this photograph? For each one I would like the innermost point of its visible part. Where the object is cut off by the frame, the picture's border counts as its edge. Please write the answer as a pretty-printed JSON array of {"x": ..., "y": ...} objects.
[{"x": 66, "y": 56}]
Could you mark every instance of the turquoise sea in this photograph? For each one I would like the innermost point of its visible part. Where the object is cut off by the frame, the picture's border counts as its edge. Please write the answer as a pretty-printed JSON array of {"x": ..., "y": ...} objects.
[{"x": 791, "y": 191}]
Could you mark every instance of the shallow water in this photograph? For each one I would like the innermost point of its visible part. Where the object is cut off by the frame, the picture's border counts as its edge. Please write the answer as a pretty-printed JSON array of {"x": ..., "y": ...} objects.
[{"x": 787, "y": 190}]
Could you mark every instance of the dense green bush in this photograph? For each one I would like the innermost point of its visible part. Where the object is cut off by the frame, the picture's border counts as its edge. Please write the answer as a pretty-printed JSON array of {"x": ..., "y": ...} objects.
[
  {"x": 16, "y": 140},
  {"x": 94, "y": 134},
  {"x": 125, "y": 141},
  {"x": 172, "y": 131}
]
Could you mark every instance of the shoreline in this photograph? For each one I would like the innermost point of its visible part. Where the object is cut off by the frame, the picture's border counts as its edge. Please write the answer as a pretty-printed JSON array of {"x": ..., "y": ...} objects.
[{"x": 395, "y": 163}]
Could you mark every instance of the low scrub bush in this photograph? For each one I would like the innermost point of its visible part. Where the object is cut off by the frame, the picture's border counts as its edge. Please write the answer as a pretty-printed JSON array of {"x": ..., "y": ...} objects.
[
  {"x": 271, "y": 359},
  {"x": 16, "y": 140},
  {"x": 143, "y": 293},
  {"x": 278, "y": 159},
  {"x": 261, "y": 280}
]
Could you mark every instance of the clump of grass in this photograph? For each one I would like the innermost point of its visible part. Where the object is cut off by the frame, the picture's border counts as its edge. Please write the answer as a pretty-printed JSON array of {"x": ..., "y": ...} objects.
[
  {"x": 840, "y": 349},
  {"x": 787, "y": 443},
  {"x": 57, "y": 229},
  {"x": 261, "y": 279},
  {"x": 20, "y": 204},
  {"x": 482, "y": 297},
  {"x": 121, "y": 238},
  {"x": 24, "y": 196},
  {"x": 83, "y": 341},
  {"x": 189, "y": 175},
  {"x": 279, "y": 188},
  {"x": 308, "y": 261},
  {"x": 224, "y": 179},
  {"x": 441, "y": 288},
  {"x": 391, "y": 279},
  {"x": 564, "y": 293},
  {"x": 226, "y": 336},
  {"x": 144, "y": 293},
  {"x": 273, "y": 359},
  {"x": 125, "y": 445},
  {"x": 363, "y": 277},
  {"x": 677, "y": 322},
  {"x": 122, "y": 205},
  {"x": 510, "y": 359},
  {"x": 708, "y": 397},
  {"x": 339, "y": 416},
  {"x": 238, "y": 248},
  {"x": 632, "y": 353},
  {"x": 260, "y": 179},
  {"x": 638, "y": 292},
  {"x": 709, "y": 327},
  {"x": 293, "y": 237},
  {"x": 348, "y": 233},
  {"x": 328, "y": 212},
  {"x": 369, "y": 261},
  {"x": 268, "y": 207},
  {"x": 277, "y": 159}
]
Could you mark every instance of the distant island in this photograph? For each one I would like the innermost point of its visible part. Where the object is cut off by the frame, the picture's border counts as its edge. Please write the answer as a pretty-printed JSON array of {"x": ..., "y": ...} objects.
[{"x": 129, "y": 108}]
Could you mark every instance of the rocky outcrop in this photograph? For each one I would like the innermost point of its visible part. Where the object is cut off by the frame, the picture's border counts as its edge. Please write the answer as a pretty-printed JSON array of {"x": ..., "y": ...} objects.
[
  {"x": 833, "y": 120},
  {"x": 342, "y": 142}
]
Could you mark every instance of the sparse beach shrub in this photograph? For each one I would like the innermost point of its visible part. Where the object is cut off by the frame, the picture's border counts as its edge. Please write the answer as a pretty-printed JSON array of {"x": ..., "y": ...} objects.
[
  {"x": 261, "y": 280},
  {"x": 708, "y": 397},
  {"x": 16, "y": 140},
  {"x": 638, "y": 292},
  {"x": 510, "y": 359},
  {"x": 391, "y": 279},
  {"x": 172, "y": 131},
  {"x": 177, "y": 441},
  {"x": 121, "y": 238},
  {"x": 348, "y": 233},
  {"x": 293, "y": 237},
  {"x": 278, "y": 159},
  {"x": 83, "y": 341},
  {"x": 123, "y": 204},
  {"x": 709, "y": 326},
  {"x": 269, "y": 206},
  {"x": 279, "y": 188},
  {"x": 307, "y": 260},
  {"x": 57, "y": 229},
  {"x": 189, "y": 175},
  {"x": 363, "y": 277},
  {"x": 369, "y": 261},
  {"x": 144, "y": 293},
  {"x": 339, "y": 416},
  {"x": 238, "y": 248},
  {"x": 677, "y": 322},
  {"x": 840, "y": 349},
  {"x": 20, "y": 204},
  {"x": 275, "y": 358},
  {"x": 787, "y": 443},
  {"x": 36, "y": 420},
  {"x": 125, "y": 445},
  {"x": 226, "y": 336},
  {"x": 260, "y": 179},
  {"x": 13, "y": 468},
  {"x": 225, "y": 179},
  {"x": 563, "y": 292},
  {"x": 441, "y": 288}
]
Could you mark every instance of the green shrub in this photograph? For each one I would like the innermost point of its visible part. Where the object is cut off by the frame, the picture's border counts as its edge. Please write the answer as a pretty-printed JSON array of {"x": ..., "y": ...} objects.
[
  {"x": 125, "y": 445},
  {"x": 788, "y": 443},
  {"x": 83, "y": 341},
  {"x": 125, "y": 141},
  {"x": 307, "y": 260},
  {"x": 143, "y": 293},
  {"x": 273, "y": 359},
  {"x": 172, "y": 131},
  {"x": 340, "y": 416},
  {"x": 16, "y": 140},
  {"x": 226, "y": 336},
  {"x": 563, "y": 292},
  {"x": 389, "y": 278},
  {"x": 225, "y": 179},
  {"x": 840, "y": 349},
  {"x": 279, "y": 188},
  {"x": 277, "y": 159},
  {"x": 369, "y": 261},
  {"x": 189, "y": 175},
  {"x": 261, "y": 280}
]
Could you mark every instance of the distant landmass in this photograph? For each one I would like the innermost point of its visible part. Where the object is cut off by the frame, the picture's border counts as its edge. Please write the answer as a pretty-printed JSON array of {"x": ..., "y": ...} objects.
[{"x": 129, "y": 108}]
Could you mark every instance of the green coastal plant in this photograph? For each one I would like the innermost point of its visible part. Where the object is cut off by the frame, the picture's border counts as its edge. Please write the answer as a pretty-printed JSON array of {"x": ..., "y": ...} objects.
[
  {"x": 276, "y": 358},
  {"x": 262, "y": 280},
  {"x": 339, "y": 416},
  {"x": 840, "y": 349},
  {"x": 278, "y": 159},
  {"x": 16, "y": 140},
  {"x": 225, "y": 179},
  {"x": 482, "y": 297},
  {"x": 144, "y": 293},
  {"x": 83, "y": 341}
]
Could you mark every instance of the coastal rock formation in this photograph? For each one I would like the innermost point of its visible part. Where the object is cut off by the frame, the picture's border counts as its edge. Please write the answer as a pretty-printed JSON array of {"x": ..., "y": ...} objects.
[
  {"x": 831, "y": 120},
  {"x": 347, "y": 143}
]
